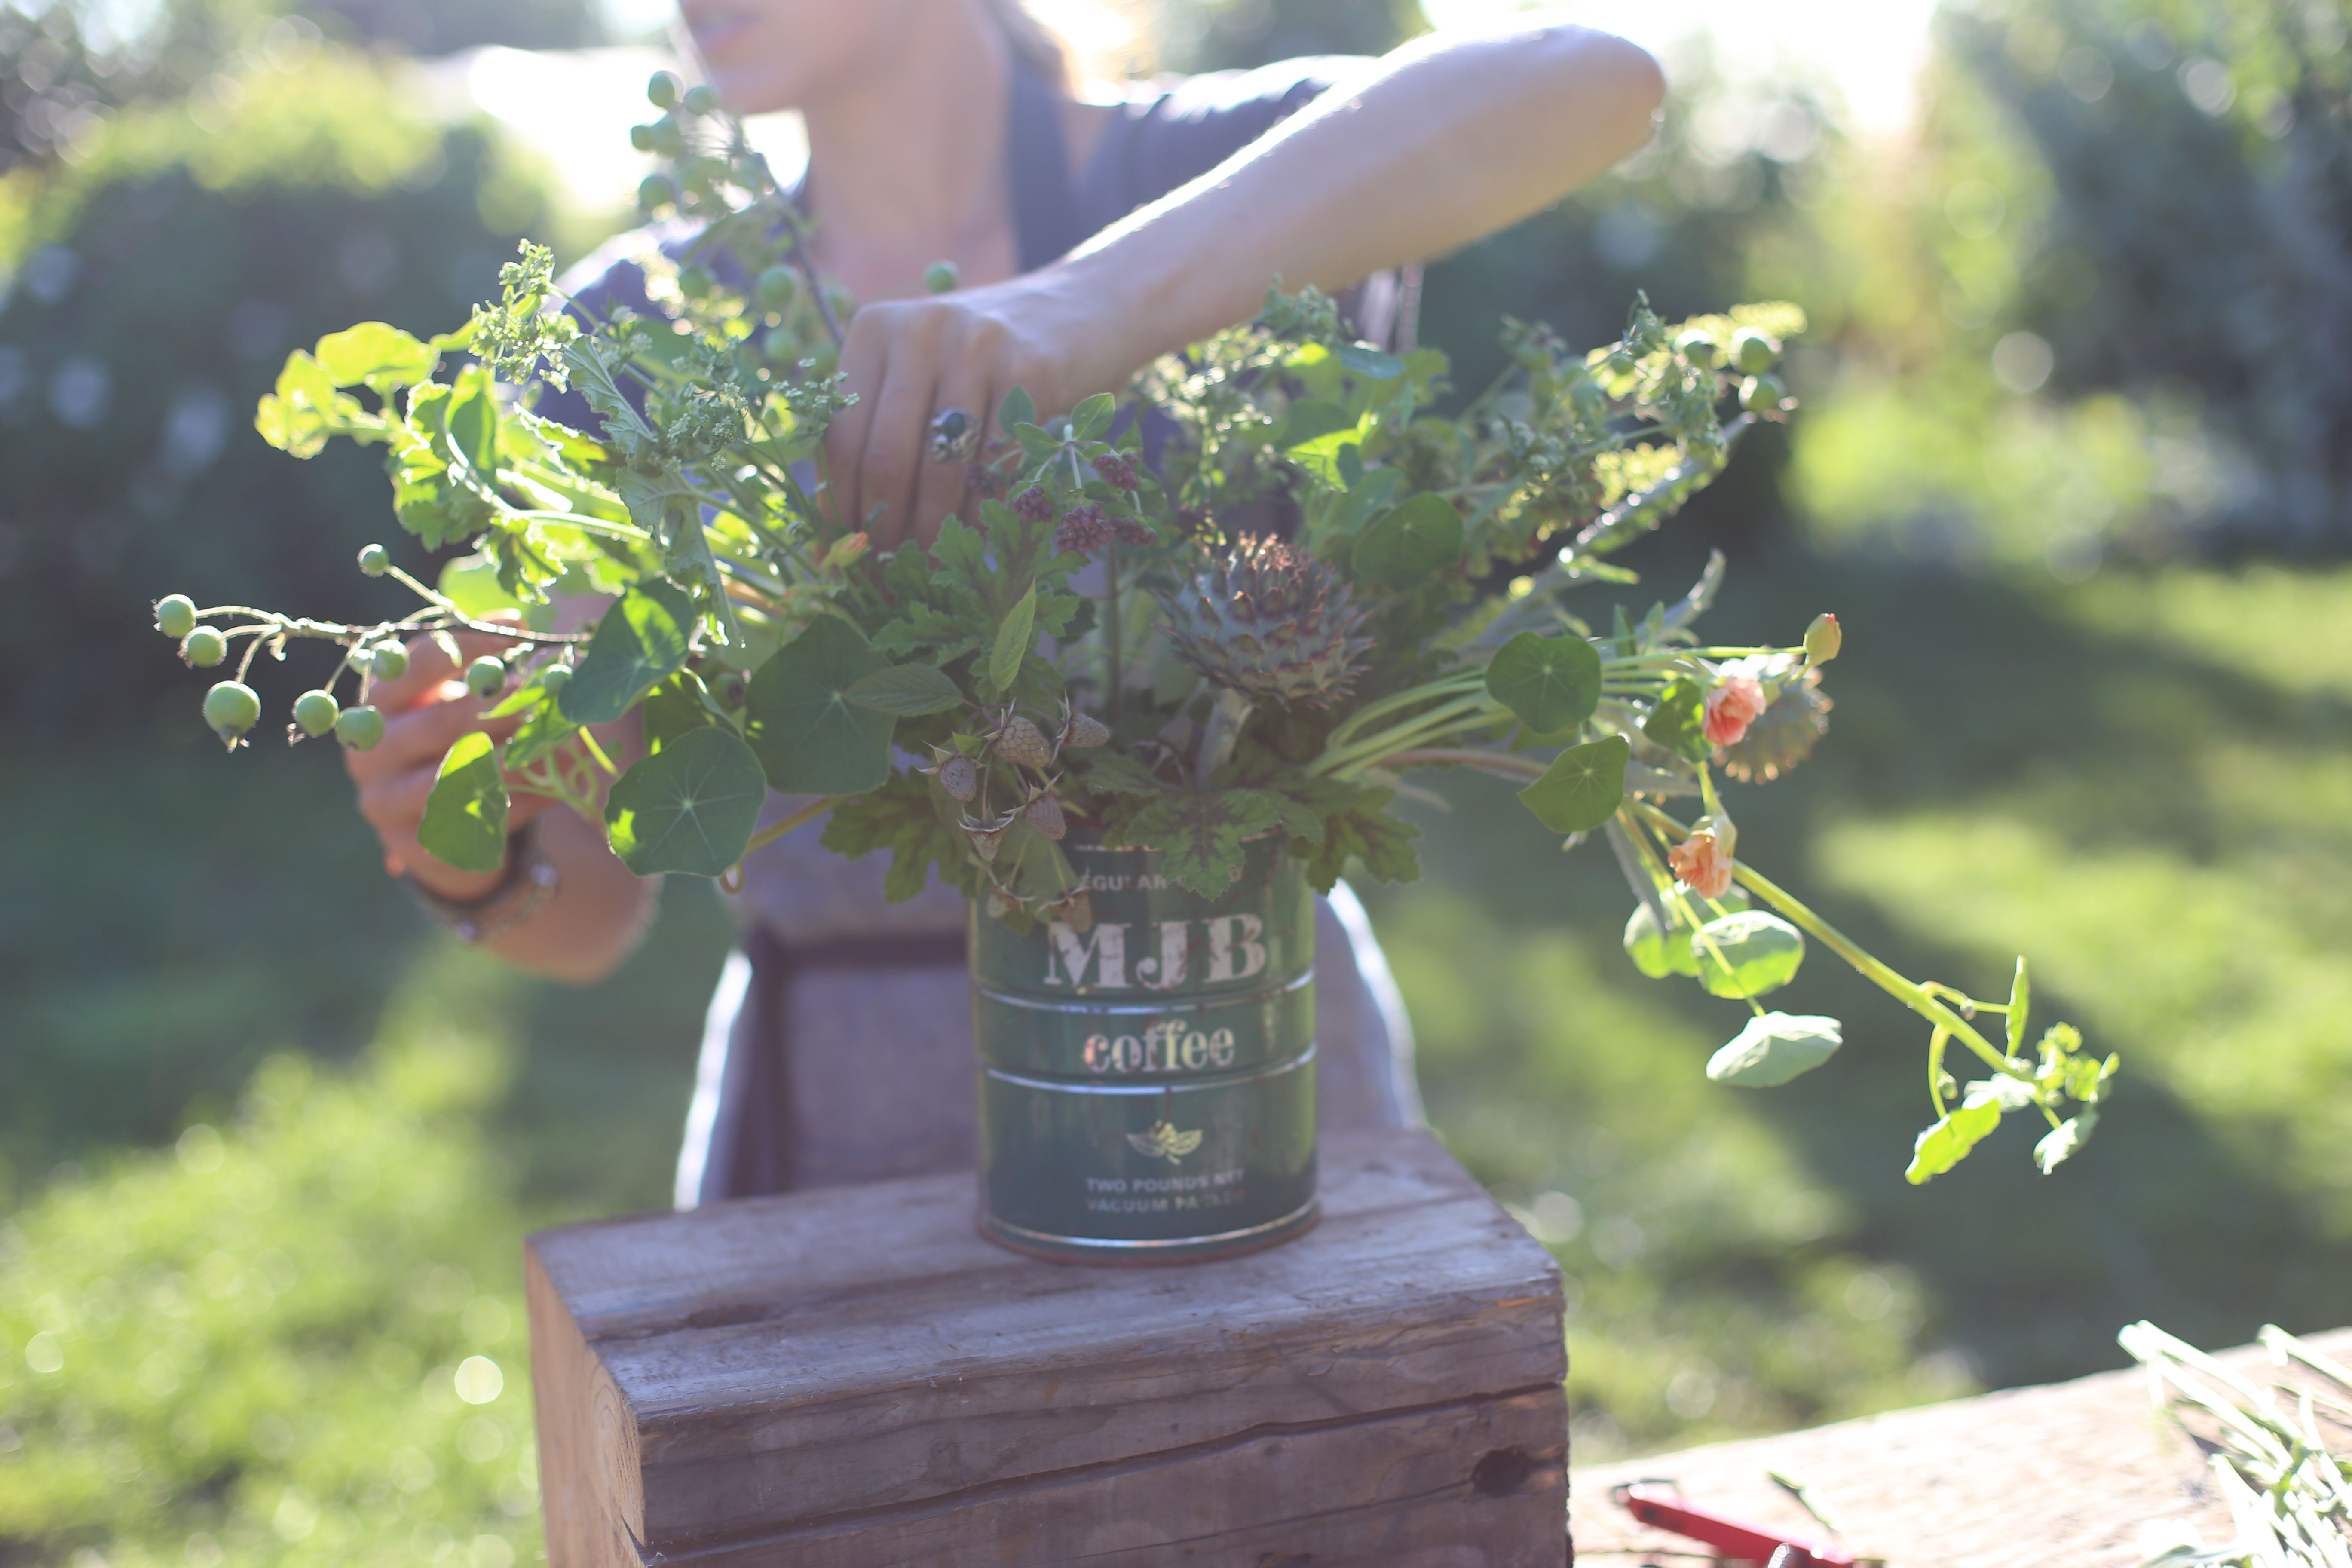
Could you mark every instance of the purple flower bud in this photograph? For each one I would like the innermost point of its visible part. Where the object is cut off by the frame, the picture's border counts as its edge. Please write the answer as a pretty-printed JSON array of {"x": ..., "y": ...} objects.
[
  {"x": 984, "y": 481},
  {"x": 1084, "y": 529},
  {"x": 1117, "y": 471},
  {"x": 1033, "y": 505},
  {"x": 1133, "y": 532}
]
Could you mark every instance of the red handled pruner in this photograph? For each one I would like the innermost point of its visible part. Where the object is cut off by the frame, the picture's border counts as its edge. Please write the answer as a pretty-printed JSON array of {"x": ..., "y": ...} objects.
[{"x": 1660, "y": 1506}]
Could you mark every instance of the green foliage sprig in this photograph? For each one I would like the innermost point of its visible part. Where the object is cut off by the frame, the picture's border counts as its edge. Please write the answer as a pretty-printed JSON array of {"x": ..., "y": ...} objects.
[{"x": 1107, "y": 636}]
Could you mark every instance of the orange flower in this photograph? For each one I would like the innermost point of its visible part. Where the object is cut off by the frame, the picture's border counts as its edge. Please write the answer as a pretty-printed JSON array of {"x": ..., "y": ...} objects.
[
  {"x": 1736, "y": 701},
  {"x": 1703, "y": 864}
]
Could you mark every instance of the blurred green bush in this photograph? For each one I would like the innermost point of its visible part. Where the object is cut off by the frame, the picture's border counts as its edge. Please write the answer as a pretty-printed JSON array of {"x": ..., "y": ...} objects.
[
  {"x": 298, "y": 1338},
  {"x": 158, "y": 282}
]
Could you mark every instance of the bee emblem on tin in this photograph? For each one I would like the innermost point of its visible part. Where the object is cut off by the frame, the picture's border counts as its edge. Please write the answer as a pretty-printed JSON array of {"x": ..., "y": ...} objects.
[{"x": 1164, "y": 1142}]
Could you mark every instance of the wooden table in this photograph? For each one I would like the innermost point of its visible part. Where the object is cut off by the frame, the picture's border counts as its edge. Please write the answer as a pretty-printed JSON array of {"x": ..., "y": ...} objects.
[
  {"x": 2061, "y": 1475},
  {"x": 852, "y": 1376}
]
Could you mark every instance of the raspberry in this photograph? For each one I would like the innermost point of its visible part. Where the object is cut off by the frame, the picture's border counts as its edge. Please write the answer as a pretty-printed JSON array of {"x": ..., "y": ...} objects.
[
  {"x": 1084, "y": 731},
  {"x": 1045, "y": 814},
  {"x": 1033, "y": 505},
  {"x": 959, "y": 777},
  {"x": 1084, "y": 527}
]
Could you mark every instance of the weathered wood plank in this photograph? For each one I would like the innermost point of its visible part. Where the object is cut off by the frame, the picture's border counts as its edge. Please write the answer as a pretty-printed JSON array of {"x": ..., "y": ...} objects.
[
  {"x": 795, "y": 1364},
  {"x": 2061, "y": 1476}
]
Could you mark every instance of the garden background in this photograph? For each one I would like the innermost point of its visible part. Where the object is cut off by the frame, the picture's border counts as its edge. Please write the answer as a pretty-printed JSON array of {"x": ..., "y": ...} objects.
[{"x": 2075, "y": 469}]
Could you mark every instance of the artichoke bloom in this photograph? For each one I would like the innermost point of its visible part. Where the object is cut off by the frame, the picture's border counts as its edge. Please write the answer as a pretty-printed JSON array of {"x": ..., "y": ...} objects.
[{"x": 1272, "y": 624}]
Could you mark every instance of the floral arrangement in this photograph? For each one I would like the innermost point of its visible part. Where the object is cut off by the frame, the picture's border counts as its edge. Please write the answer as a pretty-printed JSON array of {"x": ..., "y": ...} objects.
[{"x": 1104, "y": 642}]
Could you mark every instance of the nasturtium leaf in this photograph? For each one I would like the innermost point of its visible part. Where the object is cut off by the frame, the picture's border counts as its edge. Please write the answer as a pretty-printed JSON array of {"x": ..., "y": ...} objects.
[
  {"x": 809, "y": 734},
  {"x": 1746, "y": 955},
  {"x": 2065, "y": 1140},
  {"x": 1311, "y": 420},
  {"x": 1016, "y": 410},
  {"x": 1412, "y": 543},
  {"x": 674, "y": 707},
  {"x": 1961, "y": 1129},
  {"x": 465, "y": 823},
  {"x": 1679, "y": 722},
  {"x": 2020, "y": 998},
  {"x": 1371, "y": 362},
  {"x": 1551, "y": 683},
  {"x": 380, "y": 357},
  {"x": 691, "y": 807},
  {"x": 1091, "y": 417},
  {"x": 1012, "y": 640},
  {"x": 1660, "y": 952},
  {"x": 1583, "y": 786},
  {"x": 1775, "y": 1047},
  {"x": 1365, "y": 497},
  {"x": 906, "y": 691},
  {"x": 539, "y": 734},
  {"x": 643, "y": 638},
  {"x": 1202, "y": 835}
]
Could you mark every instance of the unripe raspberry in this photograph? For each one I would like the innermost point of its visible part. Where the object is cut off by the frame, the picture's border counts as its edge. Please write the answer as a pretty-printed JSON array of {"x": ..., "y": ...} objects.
[
  {"x": 175, "y": 615},
  {"x": 1022, "y": 743},
  {"x": 1045, "y": 814},
  {"x": 1086, "y": 732},
  {"x": 959, "y": 777}
]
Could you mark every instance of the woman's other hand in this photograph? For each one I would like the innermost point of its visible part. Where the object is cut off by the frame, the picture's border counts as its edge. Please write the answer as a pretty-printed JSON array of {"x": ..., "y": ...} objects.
[
  {"x": 907, "y": 360},
  {"x": 424, "y": 711}
]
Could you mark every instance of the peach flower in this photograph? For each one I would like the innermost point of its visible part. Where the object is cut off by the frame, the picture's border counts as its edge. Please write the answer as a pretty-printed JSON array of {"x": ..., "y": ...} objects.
[
  {"x": 1736, "y": 701},
  {"x": 1703, "y": 864}
]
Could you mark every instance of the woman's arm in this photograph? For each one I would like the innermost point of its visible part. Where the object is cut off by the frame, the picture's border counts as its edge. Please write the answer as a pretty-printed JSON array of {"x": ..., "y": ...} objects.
[{"x": 1441, "y": 142}]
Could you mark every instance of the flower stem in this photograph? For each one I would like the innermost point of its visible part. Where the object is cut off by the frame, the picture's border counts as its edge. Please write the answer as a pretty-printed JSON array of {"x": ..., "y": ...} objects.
[
  {"x": 1112, "y": 636},
  {"x": 784, "y": 824}
]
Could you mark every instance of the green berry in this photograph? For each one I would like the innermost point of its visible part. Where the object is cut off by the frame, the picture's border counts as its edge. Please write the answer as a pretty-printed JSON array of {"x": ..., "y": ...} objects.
[
  {"x": 669, "y": 137},
  {"x": 942, "y": 278},
  {"x": 486, "y": 677},
  {"x": 374, "y": 560},
  {"x": 175, "y": 615},
  {"x": 389, "y": 661},
  {"x": 551, "y": 678},
  {"x": 1761, "y": 394},
  {"x": 656, "y": 192},
  {"x": 231, "y": 708},
  {"x": 358, "y": 728},
  {"x": 1699, "y": 349},
  {"x": 315, "y": 712},
  {"x": 776, "y": 346},
  {"x": 699, "y": 100},
  {"x": 775, "y": 289},
  {"x": 204, "y": 647},
  {"x": 641, "y": 137},
  {"x": 1752, "y": 351},
  {"x": 662, "y": 90},
  {"x": 694, "y": 282}
]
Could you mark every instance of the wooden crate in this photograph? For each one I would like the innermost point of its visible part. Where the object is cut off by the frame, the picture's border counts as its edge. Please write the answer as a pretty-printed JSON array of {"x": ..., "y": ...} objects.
[{"x": 852, "y": 1376}]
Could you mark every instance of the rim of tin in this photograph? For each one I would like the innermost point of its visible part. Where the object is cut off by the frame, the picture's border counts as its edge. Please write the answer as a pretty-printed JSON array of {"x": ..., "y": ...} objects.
[
  {"x": 1080, "y": 837},
  {"x": 1199, "y": 1002},
  {"x": 1159, "y": 1245},
  {"x": 1065, "y": 1086}
]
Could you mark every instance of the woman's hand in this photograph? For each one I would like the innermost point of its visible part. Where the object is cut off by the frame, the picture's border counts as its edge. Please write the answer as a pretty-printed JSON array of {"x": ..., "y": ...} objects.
[
  {"x": 907, "y": 360},
  {"x": 425, "y": 713}
]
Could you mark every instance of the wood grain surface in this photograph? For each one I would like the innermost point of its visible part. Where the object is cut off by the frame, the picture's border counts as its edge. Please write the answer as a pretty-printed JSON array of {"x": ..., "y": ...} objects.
[
  {"x": 2061, "y": 1476},
  {"x": 853, "y": 1376}
]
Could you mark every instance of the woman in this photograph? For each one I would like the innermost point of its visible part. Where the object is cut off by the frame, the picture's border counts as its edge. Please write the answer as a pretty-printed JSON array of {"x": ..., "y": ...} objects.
[{"x": 1090, "y": 238}]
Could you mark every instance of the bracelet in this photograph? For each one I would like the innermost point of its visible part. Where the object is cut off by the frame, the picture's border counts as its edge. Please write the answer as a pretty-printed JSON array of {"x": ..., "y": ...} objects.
[{"x": 529, "y": 881}]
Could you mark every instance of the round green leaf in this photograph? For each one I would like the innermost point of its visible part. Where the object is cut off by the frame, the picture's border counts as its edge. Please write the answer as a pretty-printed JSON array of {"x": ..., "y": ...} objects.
[
  {"x": 906, "y": 691},
  {"x": 691, "y": 807},
  {"x": 1660, "y": 952},
  {"x": 672, "y": 709},
  {"x": 464, "y": 821},
  {"x": 1551, "y": 683},
  {"x": 1748, "y": 953},
  {"x": 810, "y": 734},
  {"x": 1412, "y": 543},
  {"x": 1582, "y": 787},
  {"x": 1775, "y": 1047},
  {"x": 642, "y": 639}
]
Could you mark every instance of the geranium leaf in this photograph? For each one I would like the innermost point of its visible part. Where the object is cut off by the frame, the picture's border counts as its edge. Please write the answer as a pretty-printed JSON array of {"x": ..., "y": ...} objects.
[
  {"x": 1551, "y": 683},
  {"x": 643, "y": 638},
  {"x": 810, "y": 736},
  {"x": 1202, "y": 835},
  {"x": 691, "y": 807},
  {"x": 903, "y": 817},
  {"x": 380, "y": 357},
  {"x": 1679, "y": 722},
  {"x": 465, "y": 823},
  {"x": 1583, "y": 786}
]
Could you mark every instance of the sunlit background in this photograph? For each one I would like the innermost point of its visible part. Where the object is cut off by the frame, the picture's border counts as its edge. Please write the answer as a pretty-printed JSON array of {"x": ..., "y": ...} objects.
[{"x": 2074, "y": 464}]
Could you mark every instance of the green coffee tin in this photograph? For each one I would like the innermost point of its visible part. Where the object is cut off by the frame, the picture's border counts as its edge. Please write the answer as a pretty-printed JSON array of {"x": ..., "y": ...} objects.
[{"x": 1146, "y": 1084}]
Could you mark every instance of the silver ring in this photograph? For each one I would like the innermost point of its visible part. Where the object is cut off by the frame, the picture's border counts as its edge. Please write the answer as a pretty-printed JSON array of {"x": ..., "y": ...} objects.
[{"x": 954, "y": 436}]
